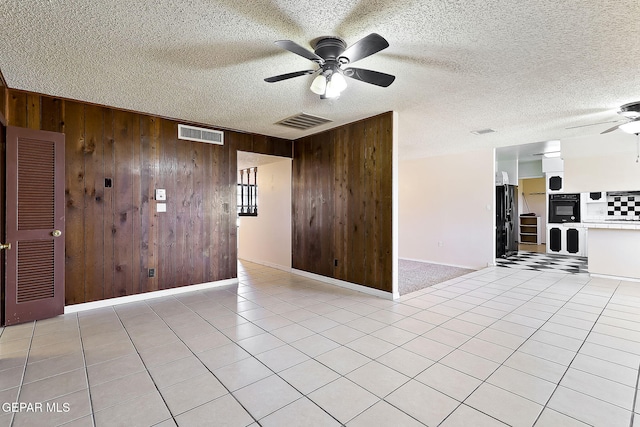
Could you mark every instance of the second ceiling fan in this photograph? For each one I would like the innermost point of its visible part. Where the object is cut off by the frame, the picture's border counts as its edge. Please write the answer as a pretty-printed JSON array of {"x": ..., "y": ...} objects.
[
  {"x": 631, "y": 112},
  {"x": 332, "y": 55}
]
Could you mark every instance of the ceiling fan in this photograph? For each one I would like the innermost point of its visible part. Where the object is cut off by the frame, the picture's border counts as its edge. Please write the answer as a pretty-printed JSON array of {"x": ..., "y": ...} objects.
[
  {"x": 332, "y": 55},
  {"x": 631, "y": 112}
]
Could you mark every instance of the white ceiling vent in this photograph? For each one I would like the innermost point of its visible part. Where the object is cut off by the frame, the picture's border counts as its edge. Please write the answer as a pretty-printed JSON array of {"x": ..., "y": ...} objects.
[
  {"x": 482, "y": 131},
  {"x": 303, "y": 121},
  {"x": 208, "y": 136}
]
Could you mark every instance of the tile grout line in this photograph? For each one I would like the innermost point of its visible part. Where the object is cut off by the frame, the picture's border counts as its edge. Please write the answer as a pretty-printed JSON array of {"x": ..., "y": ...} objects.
[
  {"x": 313, "y": 331},
  {"x": 458, "y": 347},
  {"x": 141, "y": 359},
  {"x": 196, "y": 356},
  {"x": 635, "y": 399},
  {"x": 513, "y": 351},
  {"x": 328, "y": 367},
  {"x": 574, "y": 357},
  {"x": 344, "y": 308},
  {"x": 86, "y": 372},
  {"x": 379, "y": 399},
  {"x": 257, "y": 289},
  {"x": 254, "y": 357},
  {"x": 24, "y": 370}
]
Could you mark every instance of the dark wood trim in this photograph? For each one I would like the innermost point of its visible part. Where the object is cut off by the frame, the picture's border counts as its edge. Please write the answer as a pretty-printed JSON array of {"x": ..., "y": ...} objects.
[
  {"x": 262, "y": 144},
  {"x": 3, "y": 105},
  {"x": 3, "y": 82}
]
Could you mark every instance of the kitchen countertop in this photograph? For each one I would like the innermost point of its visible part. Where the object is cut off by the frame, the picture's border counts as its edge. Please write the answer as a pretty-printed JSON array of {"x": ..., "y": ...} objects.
[{"x": 612, "y": 224}]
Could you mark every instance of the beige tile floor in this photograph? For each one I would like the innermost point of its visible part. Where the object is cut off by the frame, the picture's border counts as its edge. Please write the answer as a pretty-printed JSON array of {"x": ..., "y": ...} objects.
[{"x": 497, "y": 347}]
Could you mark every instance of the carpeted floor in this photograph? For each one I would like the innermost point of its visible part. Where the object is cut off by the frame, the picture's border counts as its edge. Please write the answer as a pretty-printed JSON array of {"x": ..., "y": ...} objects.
[{"x": 415, "y": 275}]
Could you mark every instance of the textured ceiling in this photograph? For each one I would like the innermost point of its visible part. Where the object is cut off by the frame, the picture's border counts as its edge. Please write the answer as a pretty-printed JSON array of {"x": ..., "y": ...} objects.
[{"x": 529, "y": 69}]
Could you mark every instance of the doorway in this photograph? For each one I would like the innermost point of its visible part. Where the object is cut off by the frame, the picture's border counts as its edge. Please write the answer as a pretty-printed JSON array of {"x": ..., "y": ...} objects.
[
  {"x": 532, "y": 221},
  {"x": 265, "y": 238}
]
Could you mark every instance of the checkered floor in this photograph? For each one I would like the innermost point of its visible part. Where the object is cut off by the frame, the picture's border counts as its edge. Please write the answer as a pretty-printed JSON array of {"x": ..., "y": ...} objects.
[{"x": 544, "y": 262}]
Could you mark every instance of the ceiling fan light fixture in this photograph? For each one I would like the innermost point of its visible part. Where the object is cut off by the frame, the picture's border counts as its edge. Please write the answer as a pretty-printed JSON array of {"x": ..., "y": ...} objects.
[
  {"x": 631, "y": 127},
  {"x": 319, "y": 85},
  {"x": 330, "y": 54},
  {"x": 629, "y": 114},
  {"x": 335, "y": 85},
  {"x": 338, "y": 81},
  {"x": 332, "y": 90}
]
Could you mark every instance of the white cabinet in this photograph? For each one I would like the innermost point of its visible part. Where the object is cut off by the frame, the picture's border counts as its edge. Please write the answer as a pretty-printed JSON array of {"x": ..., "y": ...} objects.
[
  {"x": 555, "y": 182},
  {"x": 567, "y": 239},
  {"x": 593, "y": 206}
]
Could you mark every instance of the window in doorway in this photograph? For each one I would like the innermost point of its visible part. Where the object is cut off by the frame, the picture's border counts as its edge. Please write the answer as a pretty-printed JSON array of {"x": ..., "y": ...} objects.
[{"x": 248, "y": 192}]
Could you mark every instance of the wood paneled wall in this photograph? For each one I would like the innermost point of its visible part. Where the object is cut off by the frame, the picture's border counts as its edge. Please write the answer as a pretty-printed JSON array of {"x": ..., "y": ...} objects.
[
  {"x": 114, "y": 235},
  {"x": 265, "y": 145},
  {"x": 342, "y": 203}
]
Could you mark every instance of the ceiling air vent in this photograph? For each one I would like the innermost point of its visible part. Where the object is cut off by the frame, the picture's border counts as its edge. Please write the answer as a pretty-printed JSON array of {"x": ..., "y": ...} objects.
[
  {"x": 482, "y": 131},
  {"x": 303, "y": 121},
  {"x": 208, "y": 136}
]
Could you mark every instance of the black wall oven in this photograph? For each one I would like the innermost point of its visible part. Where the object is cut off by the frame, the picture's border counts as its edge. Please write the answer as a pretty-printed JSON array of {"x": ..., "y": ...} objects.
[{"x": 564, "y": 208}]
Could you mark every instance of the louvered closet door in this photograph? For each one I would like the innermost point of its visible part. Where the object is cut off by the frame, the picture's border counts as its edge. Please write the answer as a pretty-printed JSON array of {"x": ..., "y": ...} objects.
[{"x": 35, "y": 225}]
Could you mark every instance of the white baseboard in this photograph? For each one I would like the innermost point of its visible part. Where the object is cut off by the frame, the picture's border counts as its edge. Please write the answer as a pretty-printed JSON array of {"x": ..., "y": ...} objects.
[
  {"x": 348, "y": 285},
  {"x": 147, "y": 295},
  {"x": 606, "y": 276},
  {"x": 267, "y": 264},
  {"x": 441, "y": 263}
]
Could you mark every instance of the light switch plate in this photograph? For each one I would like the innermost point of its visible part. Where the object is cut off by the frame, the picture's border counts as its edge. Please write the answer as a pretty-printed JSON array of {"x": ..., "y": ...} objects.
[
  {"x": 161, "y": 194},
  {"x": 161, "y": 207}
]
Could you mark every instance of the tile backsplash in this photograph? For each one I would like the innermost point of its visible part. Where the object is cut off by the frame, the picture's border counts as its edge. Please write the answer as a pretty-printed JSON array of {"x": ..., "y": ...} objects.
[{"x": 623, "y": 206}]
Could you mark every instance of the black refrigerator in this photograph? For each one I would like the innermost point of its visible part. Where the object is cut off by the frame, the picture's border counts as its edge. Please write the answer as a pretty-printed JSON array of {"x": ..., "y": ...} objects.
[{"x": 506, "y": 216}]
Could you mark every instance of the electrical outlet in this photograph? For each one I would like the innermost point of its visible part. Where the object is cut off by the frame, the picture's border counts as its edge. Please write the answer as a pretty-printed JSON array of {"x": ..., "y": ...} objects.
[
  {"x": 440, "y": 243},
  {"x": 152, "y": 272}
]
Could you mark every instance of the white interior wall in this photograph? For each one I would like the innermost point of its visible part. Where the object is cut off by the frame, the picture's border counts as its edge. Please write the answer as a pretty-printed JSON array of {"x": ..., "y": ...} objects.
[
  {"x": 510, "y": 167},
  {"x": 530, "y": 170},
  {"x": 446, "y": 209},
  {"x": 266, "y": 238},
  {"x": 601, "y": 163}
]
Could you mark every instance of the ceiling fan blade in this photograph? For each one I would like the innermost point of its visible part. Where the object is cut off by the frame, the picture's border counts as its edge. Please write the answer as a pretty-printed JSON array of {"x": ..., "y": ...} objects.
[
  {"x": 368, "y": 76},
  {"x": 610, "y": 129},
  {"x": 592, "y": 124},
  {"x": 623, "y": 127},
  {"x": 299, "y": 50},
  {"x": 365, "y": 47},
  {"x": 288, "y": 76}
]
